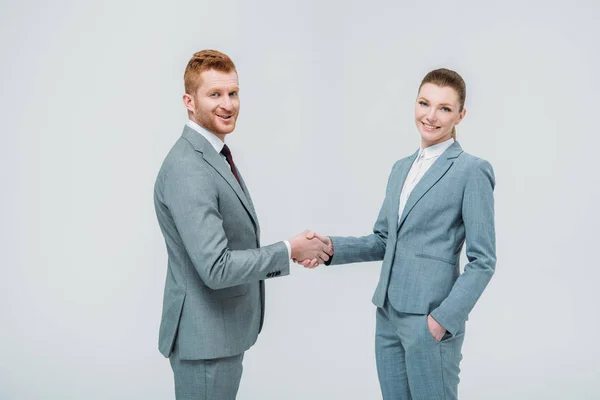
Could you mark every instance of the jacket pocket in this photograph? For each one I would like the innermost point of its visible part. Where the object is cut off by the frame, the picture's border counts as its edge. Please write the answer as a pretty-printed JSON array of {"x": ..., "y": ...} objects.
[
  {"x": 444, "y": 260},
  {"x": 229, "y": 292}
]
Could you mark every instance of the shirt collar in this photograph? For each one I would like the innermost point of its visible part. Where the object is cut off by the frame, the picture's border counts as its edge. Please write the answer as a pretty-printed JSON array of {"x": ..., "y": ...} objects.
[
  {"x": 217, "y": 143},
  {"x": 436, "y": 150}
]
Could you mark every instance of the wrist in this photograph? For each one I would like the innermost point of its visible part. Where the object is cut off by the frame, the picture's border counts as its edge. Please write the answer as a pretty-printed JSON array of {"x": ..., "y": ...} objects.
[{"x": 293, "y": 247}]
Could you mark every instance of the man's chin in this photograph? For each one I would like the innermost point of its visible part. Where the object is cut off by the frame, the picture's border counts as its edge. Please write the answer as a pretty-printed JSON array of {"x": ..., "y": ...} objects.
[{"x": 225, "y": 130}]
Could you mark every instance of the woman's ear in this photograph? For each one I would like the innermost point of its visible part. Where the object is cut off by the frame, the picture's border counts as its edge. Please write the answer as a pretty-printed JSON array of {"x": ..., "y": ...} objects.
[{"x": 461, "y": 115}]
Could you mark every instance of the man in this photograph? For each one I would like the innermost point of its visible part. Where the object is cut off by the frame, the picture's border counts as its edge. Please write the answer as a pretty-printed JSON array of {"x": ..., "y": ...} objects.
[{"x": 213, "y": 302}]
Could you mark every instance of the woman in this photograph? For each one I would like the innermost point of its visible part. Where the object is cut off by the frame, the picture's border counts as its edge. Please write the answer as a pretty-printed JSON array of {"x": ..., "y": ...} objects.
[{"x": 436, "y": 199}]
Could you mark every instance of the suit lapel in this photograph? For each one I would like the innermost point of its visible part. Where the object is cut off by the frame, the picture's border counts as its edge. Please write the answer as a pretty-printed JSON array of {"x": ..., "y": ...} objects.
[
  {"x": 397, "y": 188},
  {"x": 216, "y": 161},
  {"x": 251, "y": 204},
  {"x": 431, "y": 177}
]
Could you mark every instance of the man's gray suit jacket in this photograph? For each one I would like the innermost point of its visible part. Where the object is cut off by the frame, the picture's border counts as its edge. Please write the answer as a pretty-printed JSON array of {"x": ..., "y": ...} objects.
[{"x": 213, "y": 301}]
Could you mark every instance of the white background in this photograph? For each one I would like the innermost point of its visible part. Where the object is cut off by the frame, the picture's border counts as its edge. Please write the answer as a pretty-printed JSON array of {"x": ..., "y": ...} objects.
[{"x": 90, "y": 104}]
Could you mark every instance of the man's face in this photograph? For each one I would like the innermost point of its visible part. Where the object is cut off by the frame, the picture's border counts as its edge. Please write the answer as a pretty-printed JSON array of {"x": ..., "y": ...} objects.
[{"x": 216, "y": 104}]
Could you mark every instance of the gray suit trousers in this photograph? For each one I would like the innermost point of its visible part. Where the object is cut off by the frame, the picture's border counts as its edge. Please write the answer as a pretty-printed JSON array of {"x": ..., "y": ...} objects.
[
  {"x": 411, "y": 364},
  {"x": 212, "y": 379}
]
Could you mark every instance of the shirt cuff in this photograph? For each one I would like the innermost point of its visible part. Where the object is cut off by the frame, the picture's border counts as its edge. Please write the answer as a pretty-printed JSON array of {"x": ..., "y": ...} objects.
[{"x": 289, "y": 248}]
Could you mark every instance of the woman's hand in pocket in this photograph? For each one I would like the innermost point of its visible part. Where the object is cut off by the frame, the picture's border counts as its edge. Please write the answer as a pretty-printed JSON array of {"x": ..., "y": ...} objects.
[{"x": 436, "y": 330}]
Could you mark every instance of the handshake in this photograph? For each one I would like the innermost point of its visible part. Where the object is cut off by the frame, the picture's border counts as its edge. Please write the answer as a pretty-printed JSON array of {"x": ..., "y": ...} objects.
[{"x": 311, "y": 249}]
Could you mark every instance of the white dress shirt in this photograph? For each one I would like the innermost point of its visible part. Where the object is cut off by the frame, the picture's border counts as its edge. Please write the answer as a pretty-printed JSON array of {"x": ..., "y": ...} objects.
[
  {"x": 213, "y": 139},
  {"x": 423, "y": 162},
  {"x": 218, "y": 144}
]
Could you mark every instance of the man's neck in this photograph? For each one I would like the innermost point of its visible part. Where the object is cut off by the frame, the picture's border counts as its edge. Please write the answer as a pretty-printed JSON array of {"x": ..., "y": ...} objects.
[{"x": 220, "y": 136}]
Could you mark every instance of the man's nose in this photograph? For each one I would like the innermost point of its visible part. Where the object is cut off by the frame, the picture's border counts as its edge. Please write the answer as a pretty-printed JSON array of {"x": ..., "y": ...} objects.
[{"x": 226, "y": 103}]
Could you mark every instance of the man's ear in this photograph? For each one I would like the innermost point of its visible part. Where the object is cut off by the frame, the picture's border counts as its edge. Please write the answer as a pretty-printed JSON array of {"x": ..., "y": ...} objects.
[{"x": 189, "y": 102}]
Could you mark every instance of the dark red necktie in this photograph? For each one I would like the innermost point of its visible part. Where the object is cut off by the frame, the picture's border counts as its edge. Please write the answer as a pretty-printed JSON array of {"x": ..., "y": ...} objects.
[{"x": 227, "y": 153}]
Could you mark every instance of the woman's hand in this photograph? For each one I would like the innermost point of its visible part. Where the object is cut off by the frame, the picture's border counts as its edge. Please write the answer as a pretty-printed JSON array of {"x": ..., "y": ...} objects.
[{"x": 436, "y": 330}]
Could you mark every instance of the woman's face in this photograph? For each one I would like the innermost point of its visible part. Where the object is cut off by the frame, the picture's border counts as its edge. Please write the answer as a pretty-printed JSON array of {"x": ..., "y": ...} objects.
[{"x": 437, "y": 111}]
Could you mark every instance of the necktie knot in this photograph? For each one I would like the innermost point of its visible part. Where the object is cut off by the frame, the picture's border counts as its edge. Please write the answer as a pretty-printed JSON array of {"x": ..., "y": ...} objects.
[{"x": 225, "y": 151}]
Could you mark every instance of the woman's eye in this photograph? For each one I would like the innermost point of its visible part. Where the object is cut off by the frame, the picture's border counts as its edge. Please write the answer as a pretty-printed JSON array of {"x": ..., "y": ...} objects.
[
  {"x": 446, "y": 109},
  {"x": 423, "y": 103}
]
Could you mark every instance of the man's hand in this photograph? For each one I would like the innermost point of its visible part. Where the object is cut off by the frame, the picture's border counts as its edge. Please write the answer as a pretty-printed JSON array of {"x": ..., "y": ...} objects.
[
  {"x": 436, "y": 330},
  {"x": 313, "y": 263},
  {"x": 305, "y": 247}
]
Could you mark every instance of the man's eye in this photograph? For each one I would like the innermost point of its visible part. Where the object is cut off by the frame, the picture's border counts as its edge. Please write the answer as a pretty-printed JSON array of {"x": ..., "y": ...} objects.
[
  {"x": 214, "y": 95},
  {"x": 233, "y": 93}
]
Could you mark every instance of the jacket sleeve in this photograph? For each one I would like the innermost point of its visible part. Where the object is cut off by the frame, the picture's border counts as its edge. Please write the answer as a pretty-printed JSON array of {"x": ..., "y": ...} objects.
[
  {"x": 191, "y": 198},
  {"x": 365, "y": 248},
  {"x": 478, "y": 218}
]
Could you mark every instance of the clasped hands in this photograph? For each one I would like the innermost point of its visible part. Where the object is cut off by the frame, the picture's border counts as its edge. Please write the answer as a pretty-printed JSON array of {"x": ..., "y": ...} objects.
[{"x": 311, "y": 249}]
